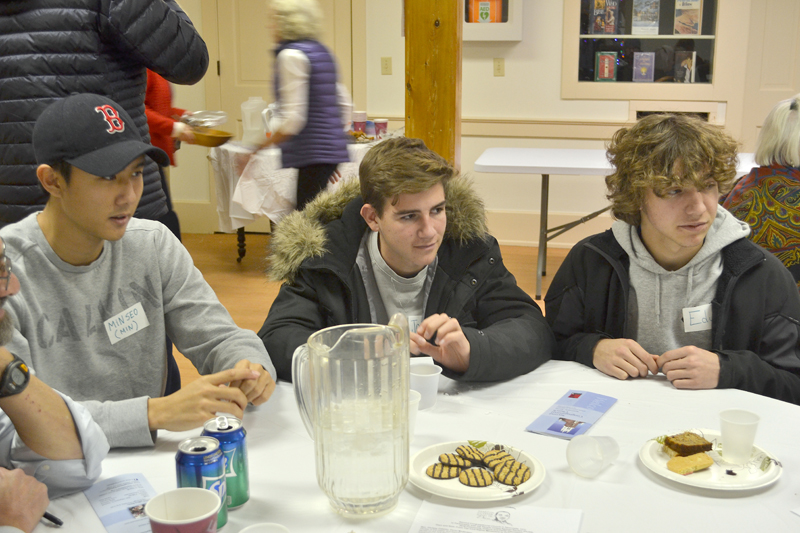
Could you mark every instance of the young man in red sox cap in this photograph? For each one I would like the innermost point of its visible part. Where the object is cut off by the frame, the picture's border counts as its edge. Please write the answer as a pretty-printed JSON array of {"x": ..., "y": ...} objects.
[{"x": 101, "y": 290}]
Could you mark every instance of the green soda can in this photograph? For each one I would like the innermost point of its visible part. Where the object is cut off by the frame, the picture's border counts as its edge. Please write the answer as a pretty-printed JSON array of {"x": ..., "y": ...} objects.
[
  {"x": 201, "y": 463},
  {"x": 230, "y": 433}
]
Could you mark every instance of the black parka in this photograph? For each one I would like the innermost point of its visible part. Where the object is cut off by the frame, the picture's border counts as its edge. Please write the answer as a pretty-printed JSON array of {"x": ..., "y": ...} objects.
[
  {"x": 53, "y": 48},
  {"x": 315, "y": 252},
  {"x": 756, "y": 313}
]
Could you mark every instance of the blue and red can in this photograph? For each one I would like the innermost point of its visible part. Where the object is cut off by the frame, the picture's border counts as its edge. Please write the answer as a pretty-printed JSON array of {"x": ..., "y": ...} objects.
[{"x": 200, "y": 463}]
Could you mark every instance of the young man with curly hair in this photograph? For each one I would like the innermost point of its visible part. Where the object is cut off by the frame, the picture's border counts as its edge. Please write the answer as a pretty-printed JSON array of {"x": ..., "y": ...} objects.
[{"x": 675, "y": 286}]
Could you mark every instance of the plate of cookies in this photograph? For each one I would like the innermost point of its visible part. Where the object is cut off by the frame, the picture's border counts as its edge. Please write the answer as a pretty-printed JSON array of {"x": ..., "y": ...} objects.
[
  {"x": 475, "y": 471},
  {"x": 696, "y": 458}
]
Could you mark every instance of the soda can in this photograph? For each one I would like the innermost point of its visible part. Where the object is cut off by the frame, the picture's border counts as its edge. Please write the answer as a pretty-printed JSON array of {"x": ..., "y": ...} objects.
[
  {"x": 230, "y": 433},
  {"x": 200, "y": 463}
]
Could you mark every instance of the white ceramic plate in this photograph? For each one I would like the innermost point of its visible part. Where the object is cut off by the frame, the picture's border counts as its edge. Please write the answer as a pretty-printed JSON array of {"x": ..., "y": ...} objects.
[
  {"x": 763, "y": 468},
  {"x": 452, "y": 488}
]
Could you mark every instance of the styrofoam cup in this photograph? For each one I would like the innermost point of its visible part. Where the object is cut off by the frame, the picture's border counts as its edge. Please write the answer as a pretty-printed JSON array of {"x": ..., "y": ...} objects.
[
  {"x": 184, "y": 510},
  {"x": 738, "y": 428},
  {"x": 425, "y": 380},
  {"x": 587, "y": 456},
  {"x": 413, "y": 406}
]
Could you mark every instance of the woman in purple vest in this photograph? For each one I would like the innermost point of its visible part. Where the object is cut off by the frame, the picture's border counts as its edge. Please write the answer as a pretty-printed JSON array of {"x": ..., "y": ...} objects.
[{"x": 312, "y": 107}]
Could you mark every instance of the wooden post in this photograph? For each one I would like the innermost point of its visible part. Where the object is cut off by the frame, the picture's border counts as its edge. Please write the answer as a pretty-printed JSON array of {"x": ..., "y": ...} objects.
[{"x": 433, "y": 74}]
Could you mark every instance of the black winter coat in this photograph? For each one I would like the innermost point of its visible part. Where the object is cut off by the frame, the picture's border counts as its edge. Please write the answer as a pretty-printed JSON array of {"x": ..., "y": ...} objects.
[
  {"x": 53, "y": 48},
  {"x": 507, "y": 333},
  {"x": 756, "y": 313}
]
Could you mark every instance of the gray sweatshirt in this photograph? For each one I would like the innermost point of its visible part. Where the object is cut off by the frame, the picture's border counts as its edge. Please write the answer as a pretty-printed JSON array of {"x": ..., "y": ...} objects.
[
  {"x": 671, "y": 309},
  {"x": 98, "y": 333}
]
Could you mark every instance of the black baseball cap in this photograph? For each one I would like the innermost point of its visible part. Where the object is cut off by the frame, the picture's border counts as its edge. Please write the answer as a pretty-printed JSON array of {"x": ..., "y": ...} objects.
[{"x": 90, "y": 132}]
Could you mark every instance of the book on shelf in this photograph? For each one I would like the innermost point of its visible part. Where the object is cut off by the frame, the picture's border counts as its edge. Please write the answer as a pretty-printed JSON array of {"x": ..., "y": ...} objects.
[
  {"x": 645, "y": 17},
  {"x": 688, "y": 14},
  {"x": 643, "y": 66},
  {"x": 612, "y": 11},
  {"x": 597, "y": 24},
  {"x": 605, "y": 66},
  {"x": 685, "y": 63}
]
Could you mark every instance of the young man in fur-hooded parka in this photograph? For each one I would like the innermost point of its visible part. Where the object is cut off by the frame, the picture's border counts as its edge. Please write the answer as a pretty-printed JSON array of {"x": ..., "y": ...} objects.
[{"x": 415, "y": 241}]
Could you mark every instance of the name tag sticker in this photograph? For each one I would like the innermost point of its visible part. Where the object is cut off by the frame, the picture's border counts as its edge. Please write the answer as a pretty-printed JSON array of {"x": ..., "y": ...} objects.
[
  {"x": 414, "y": 322},
  {"x": 697, "y": 318},
  {"x": 126, "y": 323}
]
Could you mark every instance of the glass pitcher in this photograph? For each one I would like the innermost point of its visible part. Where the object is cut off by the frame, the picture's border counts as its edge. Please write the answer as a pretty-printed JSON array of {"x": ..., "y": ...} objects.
[{"x": 352, "y": 391}]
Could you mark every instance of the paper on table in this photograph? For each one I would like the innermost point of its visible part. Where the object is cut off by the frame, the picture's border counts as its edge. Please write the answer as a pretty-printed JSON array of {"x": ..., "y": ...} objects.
[
  {"x": 441, "y": 519},
  {"x": 572, "y": 415},
  {"x": 119, "y": 503}
]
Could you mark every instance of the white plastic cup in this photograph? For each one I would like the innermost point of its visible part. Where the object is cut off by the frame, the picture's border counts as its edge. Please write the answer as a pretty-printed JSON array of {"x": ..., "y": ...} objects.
[
  {"x": 413, "y": 406},
  {"x": 588, "y": 456},
  {"x": 425, "y": 380},
  {"x": 265, "y": 528},
  {"x": 738, "y": 428},
  {"x": 184, "y": 510}
]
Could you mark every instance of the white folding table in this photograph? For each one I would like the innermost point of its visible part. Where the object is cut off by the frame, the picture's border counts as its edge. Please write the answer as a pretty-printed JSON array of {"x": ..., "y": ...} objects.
[{"x": 559, "y": 161}]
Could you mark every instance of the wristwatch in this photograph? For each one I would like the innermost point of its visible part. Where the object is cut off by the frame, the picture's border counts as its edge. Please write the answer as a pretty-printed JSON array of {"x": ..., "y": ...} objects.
[{"x": 15, "y": 378}]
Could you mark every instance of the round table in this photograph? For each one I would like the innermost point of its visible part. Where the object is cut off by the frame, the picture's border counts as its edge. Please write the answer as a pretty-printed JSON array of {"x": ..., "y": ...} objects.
[{"x": 626, "y": 497}]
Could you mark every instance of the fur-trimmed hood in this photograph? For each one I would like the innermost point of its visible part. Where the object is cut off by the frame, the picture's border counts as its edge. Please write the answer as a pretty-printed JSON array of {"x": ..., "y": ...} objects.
[{"x": 302, "y": 234}]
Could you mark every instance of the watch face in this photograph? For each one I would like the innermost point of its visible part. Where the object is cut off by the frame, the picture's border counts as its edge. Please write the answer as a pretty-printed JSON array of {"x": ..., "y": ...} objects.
[
  {"x": 17, "y": 376},
  {"x": 14, "y": 378}
]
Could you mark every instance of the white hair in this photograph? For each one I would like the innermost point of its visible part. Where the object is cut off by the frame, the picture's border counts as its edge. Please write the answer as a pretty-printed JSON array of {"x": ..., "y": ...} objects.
[
  {"x": 297, "y": 20},
  {"x": 779, "y": 139}
]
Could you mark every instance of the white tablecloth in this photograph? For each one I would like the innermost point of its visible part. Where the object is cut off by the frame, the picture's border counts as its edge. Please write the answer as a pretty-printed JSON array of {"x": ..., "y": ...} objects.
[
  {"x": 624, "y": 498},
  {"x": 252, "y": 187}
]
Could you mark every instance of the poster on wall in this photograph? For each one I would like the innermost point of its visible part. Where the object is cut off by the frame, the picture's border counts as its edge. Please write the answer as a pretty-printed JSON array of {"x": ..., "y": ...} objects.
[
  {"x": 605, "y": 66},
  {"x": 643, "y": 66},
  {"x": 687, "y": 17},
  {"x": 645, "y": 17},
  {"x": 598, "y": 21},
  {"x": 685, "y": 62}
]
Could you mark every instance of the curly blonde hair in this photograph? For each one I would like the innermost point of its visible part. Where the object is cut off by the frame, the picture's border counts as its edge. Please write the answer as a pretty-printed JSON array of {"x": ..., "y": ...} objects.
[
  {"x": 297, "y": 20},
  {"x": 663, "y": 151}
]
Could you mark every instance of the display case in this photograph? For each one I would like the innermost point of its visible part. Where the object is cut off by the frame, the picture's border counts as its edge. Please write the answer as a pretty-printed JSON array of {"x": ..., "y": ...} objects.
[
  {"x": 641, "y": 47},
  {"x": 666, "y": 41},
  {"x": 492, "y": 20}
]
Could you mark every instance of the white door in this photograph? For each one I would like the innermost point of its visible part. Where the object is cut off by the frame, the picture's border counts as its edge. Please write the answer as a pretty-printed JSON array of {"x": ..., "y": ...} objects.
[{"x": 773, "y": 62}]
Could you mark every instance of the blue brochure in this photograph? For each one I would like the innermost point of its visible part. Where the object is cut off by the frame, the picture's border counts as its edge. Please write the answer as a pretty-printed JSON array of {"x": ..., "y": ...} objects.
[{"x": 573, "y": 414}]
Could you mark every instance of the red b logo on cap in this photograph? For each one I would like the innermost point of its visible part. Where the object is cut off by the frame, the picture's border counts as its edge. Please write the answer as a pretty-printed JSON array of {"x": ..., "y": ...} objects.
[{"x": 111, "y": 116}]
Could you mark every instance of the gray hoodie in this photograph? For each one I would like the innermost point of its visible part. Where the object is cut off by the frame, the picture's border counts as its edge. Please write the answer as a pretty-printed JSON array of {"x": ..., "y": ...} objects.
[{"x": 660, "y": 299}]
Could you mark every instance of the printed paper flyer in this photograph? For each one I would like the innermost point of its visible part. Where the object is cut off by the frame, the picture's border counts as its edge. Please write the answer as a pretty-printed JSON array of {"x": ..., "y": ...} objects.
[{"x": 573, "y": 414}]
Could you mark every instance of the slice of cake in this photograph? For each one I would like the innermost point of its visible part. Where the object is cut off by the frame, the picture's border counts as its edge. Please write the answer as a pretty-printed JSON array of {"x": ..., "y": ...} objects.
[
  {"x": 690, "y": 464},
  {"x": 686, "y": 444}
]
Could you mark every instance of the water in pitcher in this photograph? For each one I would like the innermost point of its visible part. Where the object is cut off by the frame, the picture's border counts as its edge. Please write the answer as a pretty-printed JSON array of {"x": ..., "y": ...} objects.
[{"x": 362, "y": 456}]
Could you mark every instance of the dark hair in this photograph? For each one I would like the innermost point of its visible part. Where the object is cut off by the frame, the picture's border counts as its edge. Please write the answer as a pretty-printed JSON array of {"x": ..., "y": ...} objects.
[
  {"x": 401, "y": 165},
  {"x": 63, "y": 168},
  {"x": 662, "y": 151}
]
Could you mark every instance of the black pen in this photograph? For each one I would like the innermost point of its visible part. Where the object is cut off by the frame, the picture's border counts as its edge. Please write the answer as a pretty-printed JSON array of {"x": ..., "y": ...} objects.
[{"x": 54, "y": 519}]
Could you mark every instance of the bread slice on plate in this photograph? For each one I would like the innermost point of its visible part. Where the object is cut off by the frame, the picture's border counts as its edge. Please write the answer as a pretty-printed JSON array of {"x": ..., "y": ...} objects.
[
  {"x": 690, "y": 464},
  {"x": 686, "y": 444}
]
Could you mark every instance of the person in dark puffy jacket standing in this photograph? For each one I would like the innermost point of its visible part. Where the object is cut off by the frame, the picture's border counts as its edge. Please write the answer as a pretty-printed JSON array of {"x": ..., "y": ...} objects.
[
  {"x": 312, "y": 106},
  {"x": 50, "y": 50}
]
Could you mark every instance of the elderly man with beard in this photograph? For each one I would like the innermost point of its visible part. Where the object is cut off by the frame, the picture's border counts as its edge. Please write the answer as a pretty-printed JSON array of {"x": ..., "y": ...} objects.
[{"x": 41, "y": 432}]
